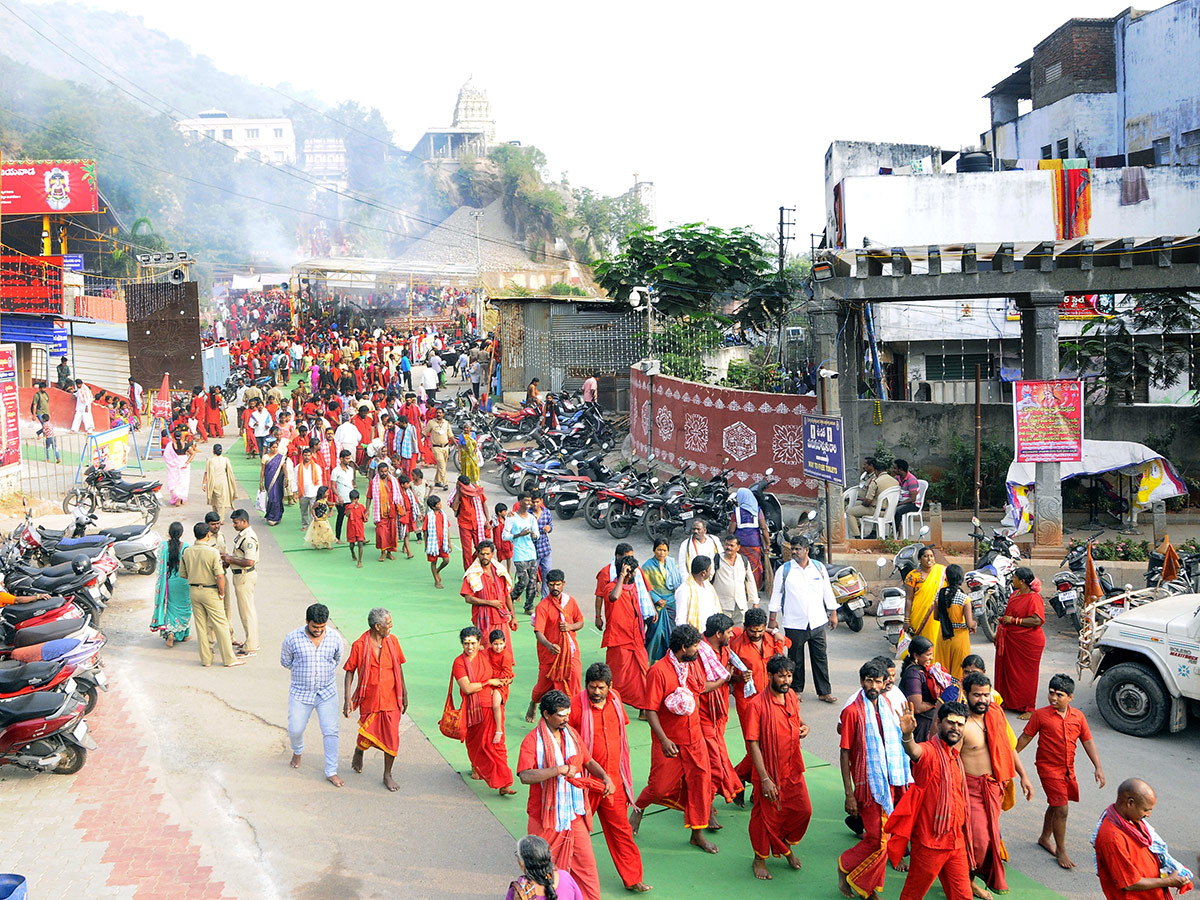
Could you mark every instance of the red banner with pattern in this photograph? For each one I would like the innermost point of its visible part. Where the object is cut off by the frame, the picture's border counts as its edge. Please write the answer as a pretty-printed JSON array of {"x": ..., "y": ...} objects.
[{"x": 681, "y": 420}]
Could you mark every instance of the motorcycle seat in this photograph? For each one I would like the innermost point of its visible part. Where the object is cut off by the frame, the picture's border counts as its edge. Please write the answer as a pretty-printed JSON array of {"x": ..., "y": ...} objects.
[
  {"x": 84, "y": 543},
  {"x": 842, "y": 572},
  {"x": 22, "y": 612},
  {"x": 54, "y": 571},
  {"x": 58, "y": 557},
  {"x": 15, "y": 676},
  {"x": 30, "y": 706},
  {"x": 60, "y": 585},
  {"x": 51, "y": 631},
  {"x": 126, "y": 532}
]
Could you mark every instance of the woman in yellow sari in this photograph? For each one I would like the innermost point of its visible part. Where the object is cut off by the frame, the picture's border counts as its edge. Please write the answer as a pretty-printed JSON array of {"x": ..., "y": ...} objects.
[
  {"x": 468, "y": 455},
  {"x": 920, "y": 597}
]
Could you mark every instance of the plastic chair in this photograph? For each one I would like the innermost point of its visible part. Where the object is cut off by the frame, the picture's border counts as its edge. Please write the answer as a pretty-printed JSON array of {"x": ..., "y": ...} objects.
[
  {"x": 908, "y": 520},
  {"x": 885, "y": 511},
  {"x": 850, "y": 497}
]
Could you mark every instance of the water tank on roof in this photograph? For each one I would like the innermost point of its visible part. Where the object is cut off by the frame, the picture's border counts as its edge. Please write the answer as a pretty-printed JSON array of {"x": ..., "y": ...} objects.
[{"x": 974, "y": 161}]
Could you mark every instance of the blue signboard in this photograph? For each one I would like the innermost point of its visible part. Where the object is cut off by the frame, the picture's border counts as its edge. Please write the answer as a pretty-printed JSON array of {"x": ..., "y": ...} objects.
[
  {"x": 73, "y": 262},
  {"x": 52, "y": 333},
  {"x": 824, "y": 451}
]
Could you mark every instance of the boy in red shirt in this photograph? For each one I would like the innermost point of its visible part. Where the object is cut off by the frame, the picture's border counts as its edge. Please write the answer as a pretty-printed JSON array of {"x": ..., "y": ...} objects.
[
  {"x": 500, "y": 656},
  {"x": 356, "y": 527},
  {"x": 1057, "y": 728},
  {"x": 504, "y": 549}
]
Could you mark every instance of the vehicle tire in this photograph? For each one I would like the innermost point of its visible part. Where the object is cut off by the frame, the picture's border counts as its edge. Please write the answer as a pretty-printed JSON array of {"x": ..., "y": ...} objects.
[
  {"x": 592, "y": 513},
  {"x": 855, "y": 622},
  {"x": 454, "y": 459},
  {"x": 79, "y": 497},
  {"x": 565, "y": 513},
  {"x": 653, "y": 523},
  {"x": 1076, "y": 621},
  {"x": 527, "y": 426},
  {"x": 148, "y": 564},
  {"x": 149, "y": 506},
  {"x": 91, "y": 696},
  {"x": 1132, "y": 699},
  {"x": 73, "y": 759},
  {"x": 619, "y": 520},
  {"x": 529, "y": 485},
  {"x": 511, "y": 480},
  {"x": 987, "y": 622},
  {"x": 773, "y": 512}
]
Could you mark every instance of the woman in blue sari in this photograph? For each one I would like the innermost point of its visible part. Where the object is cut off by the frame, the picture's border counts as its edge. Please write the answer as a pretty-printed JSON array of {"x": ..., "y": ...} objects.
[
  {"x": 662, "y": 576},
  {"x": 273, "y": 480},
  {"x": 172, "y": 597}
]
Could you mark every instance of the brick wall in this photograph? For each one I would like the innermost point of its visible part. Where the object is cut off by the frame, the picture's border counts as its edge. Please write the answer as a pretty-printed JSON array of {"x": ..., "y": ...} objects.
[{"x": 1085, "y": 48}]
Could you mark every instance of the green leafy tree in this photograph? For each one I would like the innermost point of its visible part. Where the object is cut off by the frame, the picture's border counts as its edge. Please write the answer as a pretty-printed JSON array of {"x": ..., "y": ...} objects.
[
  {"x": 1126, "y": 351},
  {"x": 602, "y": 221},
  {"x": 694, "y": 270}
]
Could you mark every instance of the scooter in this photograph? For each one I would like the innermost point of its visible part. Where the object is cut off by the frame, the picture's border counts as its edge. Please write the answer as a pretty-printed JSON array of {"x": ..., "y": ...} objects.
[
  {"x": 849, "y": 588},
  {"x": 18, "y": 679},
  {"x": 44, "y": 732},
  {"x": 1069, "y": 584},
  {"x": 39, "y": 612},
  {"x": 82, "y": 651},
  {"x": 889, "y": 612},
  {"x": 136, "y": 545}
]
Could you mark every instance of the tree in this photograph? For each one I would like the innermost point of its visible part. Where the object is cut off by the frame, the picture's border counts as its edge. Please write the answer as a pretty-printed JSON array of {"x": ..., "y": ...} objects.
[
  {"x": 1143, "y": 343},
  {"x": 603, "y": 221},
  {"x": 694, "y": 270}
]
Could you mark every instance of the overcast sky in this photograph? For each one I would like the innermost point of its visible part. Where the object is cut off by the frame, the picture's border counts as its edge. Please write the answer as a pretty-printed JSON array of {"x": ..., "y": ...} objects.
[{"x": 728, "y": 109}]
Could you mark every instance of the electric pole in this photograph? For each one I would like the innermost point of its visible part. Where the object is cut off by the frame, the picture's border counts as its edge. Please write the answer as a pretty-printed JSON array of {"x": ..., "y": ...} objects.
[{"x": 785, "y": 302}]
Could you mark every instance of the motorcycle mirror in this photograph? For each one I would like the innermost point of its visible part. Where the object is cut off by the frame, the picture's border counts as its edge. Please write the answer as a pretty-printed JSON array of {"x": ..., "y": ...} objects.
[
  {"x": 651, "y": 457},
  {"x": 975, "y": 521},
  {"x": 924, "y": 530},
  {"x": 1129, "y": 587},
  {"x": 812, "y": 514},
  {"x": 881, "y": 562},
  {"x": 770, "y": 470}
]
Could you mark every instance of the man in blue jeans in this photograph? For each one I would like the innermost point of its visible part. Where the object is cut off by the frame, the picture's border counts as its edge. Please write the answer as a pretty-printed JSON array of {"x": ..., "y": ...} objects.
[
  {"x": 541, "y": 541},
  {"x": 313, "y": 655},
  {"x": 521, "y": 527}
]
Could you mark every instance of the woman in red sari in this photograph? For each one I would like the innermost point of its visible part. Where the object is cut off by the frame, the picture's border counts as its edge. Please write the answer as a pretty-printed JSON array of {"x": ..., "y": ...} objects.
[
  {"x": 479, "y": 727},
  {"x": 1019, "y": 645}
]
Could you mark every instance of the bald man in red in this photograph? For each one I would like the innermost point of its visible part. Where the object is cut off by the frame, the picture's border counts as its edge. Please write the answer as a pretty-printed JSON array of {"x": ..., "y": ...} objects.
[
  {"x": 599, "y": 717},
  {"x": 555, "y": 763},
  {"x": 932, "y": 815},
  {"x": 1128, "y": 869},
  {"x": 679, "y": 771}
]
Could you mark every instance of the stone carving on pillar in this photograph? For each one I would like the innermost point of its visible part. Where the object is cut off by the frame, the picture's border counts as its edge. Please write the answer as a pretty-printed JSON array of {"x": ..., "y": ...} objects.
[{"x": 1047, "y": 521}]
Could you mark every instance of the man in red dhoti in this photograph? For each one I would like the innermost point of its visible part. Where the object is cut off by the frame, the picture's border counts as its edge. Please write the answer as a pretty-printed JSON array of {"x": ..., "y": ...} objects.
[
  {"x": 383, "y": 495},
  {"x": 753, "y": 645},
  {"x": 620, "y": 616},
  {"x": 1128, "y": 860},
  {"x": 555, "y": 622},
  {"x": 679, "y": 770},
  {"x": 774, "y": 730},
  {"x": 480, "y": 724},
  {"x": 990, "y": 764},
  {"x": 365, "y": 423},
  {"x": 381, "y": 697},
  {"x": 714, "y": 711},
  {"x": 931, "y": 817},
  {"x": 875, "y": 774},
  {"x": 486, "y": 587},
  {"x": 553, "y": 761},
  {"x": 469, "y": 504},
  {"x": 600, "y": 718}
]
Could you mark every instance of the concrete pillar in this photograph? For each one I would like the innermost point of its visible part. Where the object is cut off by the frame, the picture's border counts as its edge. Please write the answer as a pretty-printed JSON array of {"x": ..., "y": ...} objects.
[
  {"x": 1039, "y": 361},
  {"x": 824, "y": 318}
]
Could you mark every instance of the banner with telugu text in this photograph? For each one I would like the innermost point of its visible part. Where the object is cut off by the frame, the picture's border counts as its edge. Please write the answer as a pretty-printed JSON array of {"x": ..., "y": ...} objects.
[{"x": 1048, "y": 421}]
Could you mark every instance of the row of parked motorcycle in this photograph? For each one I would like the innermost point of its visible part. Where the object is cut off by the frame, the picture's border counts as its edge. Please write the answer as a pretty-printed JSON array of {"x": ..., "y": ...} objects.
[{"x": 51, "y": 673}]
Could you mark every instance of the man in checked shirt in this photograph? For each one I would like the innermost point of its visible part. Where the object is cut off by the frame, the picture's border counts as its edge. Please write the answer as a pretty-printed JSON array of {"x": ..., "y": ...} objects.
[{"x": 313, "y": 655}]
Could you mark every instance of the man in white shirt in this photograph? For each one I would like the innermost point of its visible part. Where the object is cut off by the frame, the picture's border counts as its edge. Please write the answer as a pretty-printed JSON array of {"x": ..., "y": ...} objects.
[
  {"x": 695, "y": 599},
  {"x": 734, "y": 582},
  {"x": 309, "y": 479},
  {"x": 802, "y": 601},
  {"x": 429, "y": 381},
  {"x": 347, "y": 437},
  {"x": 701, "y": 543},
  {"x": 83, "y": 407},
  {"x": 341, "y": 482}
]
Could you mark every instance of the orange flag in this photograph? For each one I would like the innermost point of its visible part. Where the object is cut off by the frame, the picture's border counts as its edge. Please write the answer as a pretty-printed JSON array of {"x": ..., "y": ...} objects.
[
  {"x": 1092, "y": 592},
  {"x": 1171, "y": 564}
]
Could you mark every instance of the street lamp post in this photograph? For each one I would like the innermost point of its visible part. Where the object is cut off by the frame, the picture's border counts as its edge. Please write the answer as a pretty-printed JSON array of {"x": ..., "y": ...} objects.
[{"x": 637, "y": 295}]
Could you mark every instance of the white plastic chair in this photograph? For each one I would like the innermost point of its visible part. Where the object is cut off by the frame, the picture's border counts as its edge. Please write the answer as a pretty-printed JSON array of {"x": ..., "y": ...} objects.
[
  {"x": 850, "y": 496},
  {"x": 908, "y": 520},
  {"x": 885, "y": 510}
]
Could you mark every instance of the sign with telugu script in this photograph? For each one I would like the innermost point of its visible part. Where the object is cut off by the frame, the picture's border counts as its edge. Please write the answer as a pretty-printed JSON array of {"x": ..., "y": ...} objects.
[
  {"x": 48, "y": 187},
  {"x": 1048, "y": 421},
  {"x": 10, "y": 429},
  {"x": 31, "y": 284},
  {"x": 824, "y": 455}
]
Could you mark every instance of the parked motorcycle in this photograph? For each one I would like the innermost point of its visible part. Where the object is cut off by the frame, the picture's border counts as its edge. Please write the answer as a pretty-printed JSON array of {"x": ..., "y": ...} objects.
[
  {"x": 80, "y": 650},
  {"x": 889, "y": 612},
  {"x": 1069, "y": 584},
  {"x": 136, "y": 546},
  {"x": 44, "y": 732},
  {"x": 990, "y": 583},
  {"x": 109, "y": 492}
]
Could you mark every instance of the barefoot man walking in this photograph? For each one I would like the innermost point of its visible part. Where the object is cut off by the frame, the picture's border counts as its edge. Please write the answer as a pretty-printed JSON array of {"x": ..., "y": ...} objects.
[{"x": 381, "y": 696}]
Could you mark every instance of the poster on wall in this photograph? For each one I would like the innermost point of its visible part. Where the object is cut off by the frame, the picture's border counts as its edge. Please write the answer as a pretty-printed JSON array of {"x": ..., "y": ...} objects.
[
  {"x": 823, "y": 448},
  {"x": 10, "y": 429},
  {"x": 1048, "y": 421}
]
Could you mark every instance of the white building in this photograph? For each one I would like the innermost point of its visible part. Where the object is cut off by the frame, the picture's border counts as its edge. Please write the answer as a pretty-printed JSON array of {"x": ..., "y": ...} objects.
[
  {"x": 272, "y": 140},
  {"x": 1123, "y": 90},
  {"x": 471, "y": 133}
]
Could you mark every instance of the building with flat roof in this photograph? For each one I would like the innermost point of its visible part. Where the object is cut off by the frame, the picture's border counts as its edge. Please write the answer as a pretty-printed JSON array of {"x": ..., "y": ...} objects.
[
  {"x": 471, "y": 133},
  {"x": 272, "y": 140}
]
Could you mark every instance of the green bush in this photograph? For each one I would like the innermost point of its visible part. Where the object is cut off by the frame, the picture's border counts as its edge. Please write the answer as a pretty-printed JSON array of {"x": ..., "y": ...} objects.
[
  {"x": 562, "y": 289},
  {"x": 957, "y": 485},
  {"x": 748, "y": 376}
]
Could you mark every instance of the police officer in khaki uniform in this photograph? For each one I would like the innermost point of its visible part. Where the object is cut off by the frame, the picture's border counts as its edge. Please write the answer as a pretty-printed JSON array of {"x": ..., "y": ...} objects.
[
  {"x": 242, "y": 563},
  {"x": 441, "y": 436},
  {"x": 200, "y": 566}
]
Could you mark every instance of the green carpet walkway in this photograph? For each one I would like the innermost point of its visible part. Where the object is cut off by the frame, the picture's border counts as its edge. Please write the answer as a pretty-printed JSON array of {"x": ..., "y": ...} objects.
[{"x": 427, "y": 622}]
